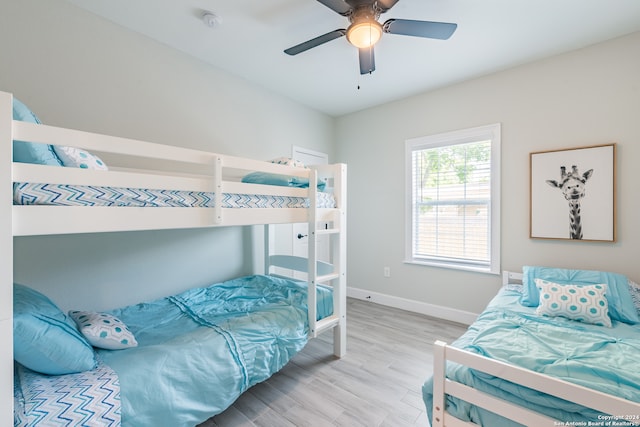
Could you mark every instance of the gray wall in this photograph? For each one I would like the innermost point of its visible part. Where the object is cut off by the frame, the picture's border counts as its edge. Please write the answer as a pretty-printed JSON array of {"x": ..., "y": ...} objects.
[
  {"x": 80, "y": 71},
  {"x": 586, "y": 97},
  {"x": 77, "y": 70}
]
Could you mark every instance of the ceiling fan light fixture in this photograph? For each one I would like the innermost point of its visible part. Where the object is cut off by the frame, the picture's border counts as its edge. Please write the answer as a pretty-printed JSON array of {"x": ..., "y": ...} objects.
[
  {"x": 365, "y": 31},
  {"x": 364, "y": 34}
]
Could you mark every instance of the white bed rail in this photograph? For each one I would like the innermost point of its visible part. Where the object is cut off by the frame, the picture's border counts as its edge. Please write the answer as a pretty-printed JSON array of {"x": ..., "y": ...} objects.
[
  {"x": 157, "y": 166},
  {"x": 509, "y": 277},
  {"x": 6, "y": 264},
  {"x": 622, "y": 410}
]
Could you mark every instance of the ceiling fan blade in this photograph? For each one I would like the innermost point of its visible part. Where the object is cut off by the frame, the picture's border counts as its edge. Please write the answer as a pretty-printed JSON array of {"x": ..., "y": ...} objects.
[
  {"x": 428, "y": 29},
  {"x": 338, "y": 6},
  {"x": 315, "y": 42},
  {"x": 367, "y": 60},
  {"x": 386, "y": 4}
]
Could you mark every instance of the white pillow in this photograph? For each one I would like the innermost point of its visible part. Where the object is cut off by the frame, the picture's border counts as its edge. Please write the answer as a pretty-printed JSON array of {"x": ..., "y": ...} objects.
[
  {"x": 103, "y": 330},
  {"x": 584, "y": 303},
  {"x": 288, "y": 161},
  {"x": 78, "y": 158}
]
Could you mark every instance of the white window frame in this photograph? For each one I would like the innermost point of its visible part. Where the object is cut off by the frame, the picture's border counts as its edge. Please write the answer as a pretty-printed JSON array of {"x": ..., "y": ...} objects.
[{"x": 489, "y": 132}]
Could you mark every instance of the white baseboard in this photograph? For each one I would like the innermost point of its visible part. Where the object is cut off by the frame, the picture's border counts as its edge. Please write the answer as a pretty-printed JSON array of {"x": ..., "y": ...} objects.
[{"x": 452, "y": 314}]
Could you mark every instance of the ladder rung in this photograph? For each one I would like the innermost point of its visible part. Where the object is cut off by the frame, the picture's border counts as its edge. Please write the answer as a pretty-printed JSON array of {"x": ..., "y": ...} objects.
[
  {"x": 326, "y": 323},
  {"x": 327, "y": 278},
  {"x": 322, "y": 231}
]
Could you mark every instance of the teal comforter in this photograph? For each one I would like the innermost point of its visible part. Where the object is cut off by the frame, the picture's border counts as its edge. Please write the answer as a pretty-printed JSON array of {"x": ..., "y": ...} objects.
[
  {"x": 600, "y": 358},
  {"x": 199, "y": 350}
]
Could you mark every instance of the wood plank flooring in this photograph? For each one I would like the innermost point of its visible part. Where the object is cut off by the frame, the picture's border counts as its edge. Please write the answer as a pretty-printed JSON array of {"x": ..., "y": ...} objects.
[{"x": 377, "y": 384}]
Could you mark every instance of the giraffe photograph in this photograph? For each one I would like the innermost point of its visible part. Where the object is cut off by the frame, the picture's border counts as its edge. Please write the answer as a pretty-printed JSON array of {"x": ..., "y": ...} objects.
[{"x": 572, "y": 194}]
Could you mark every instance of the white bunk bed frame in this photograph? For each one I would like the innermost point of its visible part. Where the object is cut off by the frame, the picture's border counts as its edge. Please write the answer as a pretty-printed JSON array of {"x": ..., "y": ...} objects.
[
  {"x": 622, "y": 410},
  {"x": 222, "y": 176}
]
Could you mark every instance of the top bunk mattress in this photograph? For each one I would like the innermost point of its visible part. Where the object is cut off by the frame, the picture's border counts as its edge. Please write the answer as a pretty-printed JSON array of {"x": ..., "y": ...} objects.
[{"x": 25, "y": 193}]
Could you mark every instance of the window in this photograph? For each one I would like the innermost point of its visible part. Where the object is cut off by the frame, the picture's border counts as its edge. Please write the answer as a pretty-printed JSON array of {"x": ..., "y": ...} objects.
[{"x": 453, "y": 199}]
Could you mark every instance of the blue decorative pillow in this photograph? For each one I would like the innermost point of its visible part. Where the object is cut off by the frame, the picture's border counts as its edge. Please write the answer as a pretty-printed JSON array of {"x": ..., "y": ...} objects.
[
  {"x": 31, "y": 152},
  {"x": 584, "y": 303},
  {"x": 281, "y": 180},
  {"x": 621, "y": 305},
  {"x": 45, "y": 339}
]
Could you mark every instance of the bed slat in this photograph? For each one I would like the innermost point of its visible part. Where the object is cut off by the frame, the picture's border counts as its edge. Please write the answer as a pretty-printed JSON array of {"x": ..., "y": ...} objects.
[{"x": 45, "y": 220}]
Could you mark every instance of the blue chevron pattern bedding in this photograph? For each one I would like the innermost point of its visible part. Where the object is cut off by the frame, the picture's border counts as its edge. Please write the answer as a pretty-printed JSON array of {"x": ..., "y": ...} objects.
[
  {"x": 90, "y": 398},
  {"x": 597, "y": 357},
  {"x": 197, "y": 352},
  {"x": 82, "y": 195}
]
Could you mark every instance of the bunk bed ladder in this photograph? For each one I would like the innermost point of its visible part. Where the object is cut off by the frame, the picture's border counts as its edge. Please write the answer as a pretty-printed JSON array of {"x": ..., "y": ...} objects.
[
  {"x": 335, "y": 278},
  {"x": 320, "y": 273}
]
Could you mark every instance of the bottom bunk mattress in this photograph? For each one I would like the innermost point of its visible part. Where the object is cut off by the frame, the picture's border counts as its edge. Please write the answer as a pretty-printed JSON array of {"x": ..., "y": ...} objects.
[
  {"x": 197, "y": 352},
  {"x": 597, "y": 357}
]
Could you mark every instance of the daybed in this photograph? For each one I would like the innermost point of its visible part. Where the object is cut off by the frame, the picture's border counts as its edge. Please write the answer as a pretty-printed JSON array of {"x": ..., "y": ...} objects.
[
  {"x": 560, "y": 348},
  {"x": 146, "y": 186}
]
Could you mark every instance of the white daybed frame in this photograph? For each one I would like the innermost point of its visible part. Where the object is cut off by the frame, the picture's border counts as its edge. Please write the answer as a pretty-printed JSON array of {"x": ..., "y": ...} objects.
[
  {"x": 222, "y": 175},
  {"x": 625, "y": 410}
]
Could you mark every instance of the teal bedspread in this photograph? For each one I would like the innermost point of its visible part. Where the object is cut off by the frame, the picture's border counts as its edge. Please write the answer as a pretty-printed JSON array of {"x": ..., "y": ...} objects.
[
  {"x": 600, "y": 358},
  {"x": 199, "y": 350}
]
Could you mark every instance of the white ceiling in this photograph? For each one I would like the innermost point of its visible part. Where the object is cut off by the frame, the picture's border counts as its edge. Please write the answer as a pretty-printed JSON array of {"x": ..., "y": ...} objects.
[{"x": 492, "y": 35}]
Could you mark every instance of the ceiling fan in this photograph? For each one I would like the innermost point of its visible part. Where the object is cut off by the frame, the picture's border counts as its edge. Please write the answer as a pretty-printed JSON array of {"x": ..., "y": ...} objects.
[{"x": 365, "y": 30}]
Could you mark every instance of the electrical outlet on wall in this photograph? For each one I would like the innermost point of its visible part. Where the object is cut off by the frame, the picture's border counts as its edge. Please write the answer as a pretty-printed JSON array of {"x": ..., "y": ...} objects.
[{"x": 387, "y": 272}]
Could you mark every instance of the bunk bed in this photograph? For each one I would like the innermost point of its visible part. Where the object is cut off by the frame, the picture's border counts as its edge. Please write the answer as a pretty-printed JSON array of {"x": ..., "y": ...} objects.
[
  {"x": 259, "y": 321},
  {"x": 531, "y": 359}
]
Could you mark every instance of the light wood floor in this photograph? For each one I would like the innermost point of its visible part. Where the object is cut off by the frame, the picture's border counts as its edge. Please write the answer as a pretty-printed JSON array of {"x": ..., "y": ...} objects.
[{"x": 378, "y": 382}]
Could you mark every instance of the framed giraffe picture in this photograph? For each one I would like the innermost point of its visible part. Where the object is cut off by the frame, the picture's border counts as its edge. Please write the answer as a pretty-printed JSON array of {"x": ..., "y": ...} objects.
[{"x": 573, "y": 194}]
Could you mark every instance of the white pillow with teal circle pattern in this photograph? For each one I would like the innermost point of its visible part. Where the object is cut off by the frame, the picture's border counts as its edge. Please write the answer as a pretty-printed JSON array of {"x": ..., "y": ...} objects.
[
  {"x": 78, "y": 158},
  {"x": 103, "y": 330},
  {"x": 584, "y": 303},
  {"x": 288, "y": 161}
]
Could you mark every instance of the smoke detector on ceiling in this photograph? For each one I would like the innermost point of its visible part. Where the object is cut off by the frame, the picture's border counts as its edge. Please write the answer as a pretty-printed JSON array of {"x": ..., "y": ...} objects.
[{"x": 211, "y": 20}]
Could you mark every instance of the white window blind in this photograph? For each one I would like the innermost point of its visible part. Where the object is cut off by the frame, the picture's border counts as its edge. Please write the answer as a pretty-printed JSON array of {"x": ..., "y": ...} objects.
[{"x": 453, "y": 199}]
